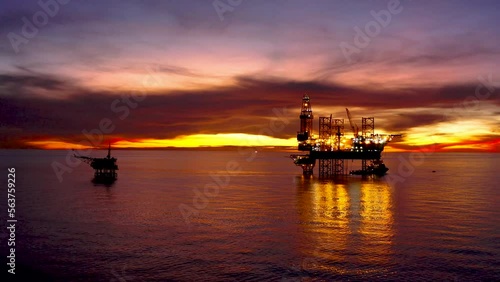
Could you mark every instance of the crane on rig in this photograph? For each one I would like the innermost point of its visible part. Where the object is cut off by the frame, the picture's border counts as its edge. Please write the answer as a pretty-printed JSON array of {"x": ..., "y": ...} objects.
[{"x": 354, "y": 126}]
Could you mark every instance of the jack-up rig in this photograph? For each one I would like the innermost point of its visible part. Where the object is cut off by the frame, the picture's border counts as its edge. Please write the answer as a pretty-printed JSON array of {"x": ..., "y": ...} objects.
[
  {"x": 104, "y": 168},
  {"x": 331, "y": 149}
]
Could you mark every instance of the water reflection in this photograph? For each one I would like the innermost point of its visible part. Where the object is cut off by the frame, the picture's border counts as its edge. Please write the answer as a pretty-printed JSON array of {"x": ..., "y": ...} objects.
[
  {"x": 104, "y": 183},
  {"x": 349, "y": 222}
]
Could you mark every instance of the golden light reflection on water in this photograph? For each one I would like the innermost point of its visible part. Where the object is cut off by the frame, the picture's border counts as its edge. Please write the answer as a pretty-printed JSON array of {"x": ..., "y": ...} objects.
[
  {"x": 376, "y": 221},
  {"x": 348, "y": 222}
]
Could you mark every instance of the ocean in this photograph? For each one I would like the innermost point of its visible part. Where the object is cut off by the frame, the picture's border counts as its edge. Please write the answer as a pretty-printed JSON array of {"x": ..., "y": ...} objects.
[{"x": 251, "y": 216}]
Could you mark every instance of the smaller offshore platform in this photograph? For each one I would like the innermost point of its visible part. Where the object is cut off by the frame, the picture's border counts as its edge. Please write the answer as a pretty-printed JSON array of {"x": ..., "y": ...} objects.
[
  {"x": 104, "y": 168},
  {"x": 332, "y": 149}
]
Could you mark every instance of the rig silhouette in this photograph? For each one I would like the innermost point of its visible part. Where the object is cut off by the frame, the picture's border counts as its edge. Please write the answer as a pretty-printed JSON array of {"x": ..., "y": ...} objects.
[
  {"x": 104, "y": 168},
  {"x": 331, "y": 149}
]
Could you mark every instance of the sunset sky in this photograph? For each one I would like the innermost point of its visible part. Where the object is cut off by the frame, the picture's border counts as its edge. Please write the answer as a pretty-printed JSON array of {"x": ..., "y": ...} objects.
[{"x": 217, "y": 73}]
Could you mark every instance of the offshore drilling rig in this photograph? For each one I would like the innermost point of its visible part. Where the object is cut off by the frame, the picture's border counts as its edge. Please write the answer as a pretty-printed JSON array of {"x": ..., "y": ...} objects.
[
  {"x": 331, "y": 149},
  {"x": 104, "y": 168}
]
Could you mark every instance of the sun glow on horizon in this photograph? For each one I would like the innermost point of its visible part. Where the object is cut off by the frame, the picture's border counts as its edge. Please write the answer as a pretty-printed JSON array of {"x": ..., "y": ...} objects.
[
  {"x": 186, "y": 141},
  {"x": 249, "y": 140},
  {"x": 208, "y": 140},
  {"x": 57, "y": 145}
]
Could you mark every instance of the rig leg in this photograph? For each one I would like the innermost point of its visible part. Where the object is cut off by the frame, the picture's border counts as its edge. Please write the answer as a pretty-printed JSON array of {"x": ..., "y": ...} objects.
[
  {"x": 307, "y": 169},
  {"x": 325, "y": 168},
  {"x": 364, "y": 166},
  {"x": 338, "y": 168}
]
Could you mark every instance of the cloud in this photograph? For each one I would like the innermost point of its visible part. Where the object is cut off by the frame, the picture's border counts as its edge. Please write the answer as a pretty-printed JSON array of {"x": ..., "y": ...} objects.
[
  {"x": 227, "y": 76},
  {"x": 247, "y": 107},
  {"x": 12, "y": 83},
  {"x": 405, "y": 121}
]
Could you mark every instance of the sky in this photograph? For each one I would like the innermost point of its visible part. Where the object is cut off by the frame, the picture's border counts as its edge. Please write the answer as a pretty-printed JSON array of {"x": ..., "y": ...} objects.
[{"x": 143, "y": 74}]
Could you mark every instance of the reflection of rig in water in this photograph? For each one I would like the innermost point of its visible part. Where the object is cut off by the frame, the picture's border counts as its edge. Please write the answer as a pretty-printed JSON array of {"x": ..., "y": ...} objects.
[
  {"x": 104, "y": 168},
  {"x": 331, "y": 150}
]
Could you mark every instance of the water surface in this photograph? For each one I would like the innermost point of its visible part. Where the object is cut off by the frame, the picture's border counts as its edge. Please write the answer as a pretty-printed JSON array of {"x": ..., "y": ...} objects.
[{"x": 265, "y": 222}]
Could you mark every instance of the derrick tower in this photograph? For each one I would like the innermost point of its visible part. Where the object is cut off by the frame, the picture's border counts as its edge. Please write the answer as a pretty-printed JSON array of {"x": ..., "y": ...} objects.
[{"x": 304, "y": 136}]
